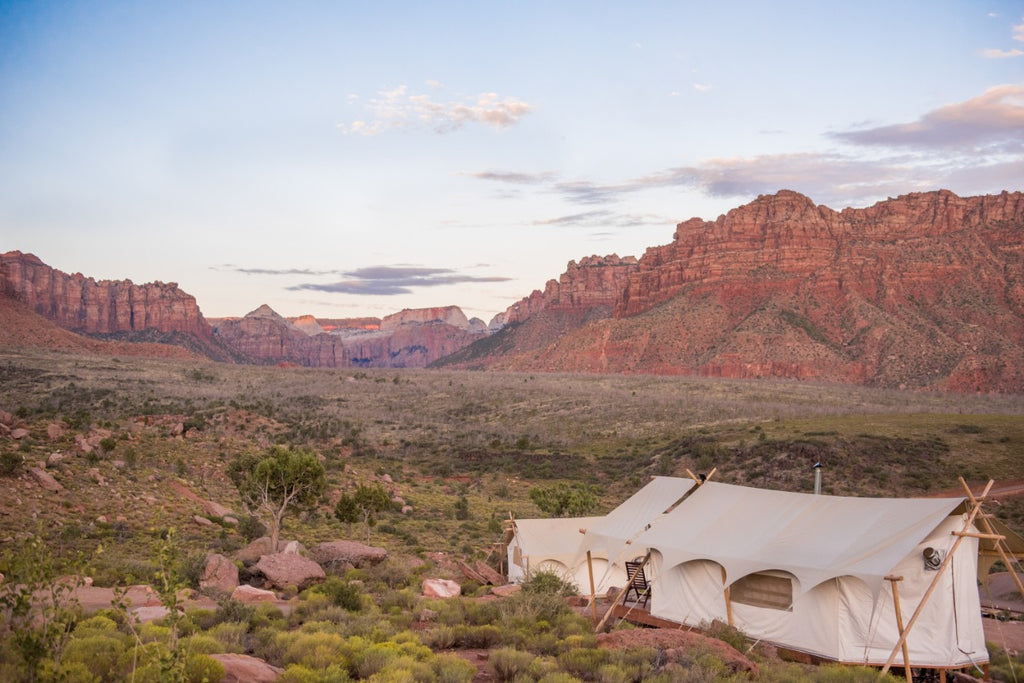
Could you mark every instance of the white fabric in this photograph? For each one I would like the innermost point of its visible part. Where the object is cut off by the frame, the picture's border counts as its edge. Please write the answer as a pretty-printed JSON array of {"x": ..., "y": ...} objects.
[
  {"x": 551, "y": 544},
  {"x": 606, "y": 536},
  {"x": 837, "y": 552},
  {"x": 815, "y": 538}
]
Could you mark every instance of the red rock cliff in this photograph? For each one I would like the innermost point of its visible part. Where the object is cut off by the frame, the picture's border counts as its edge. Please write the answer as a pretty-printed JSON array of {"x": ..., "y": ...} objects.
[
  {"x": 926, "y": 290},
  {"x": 85, "y": 305}
]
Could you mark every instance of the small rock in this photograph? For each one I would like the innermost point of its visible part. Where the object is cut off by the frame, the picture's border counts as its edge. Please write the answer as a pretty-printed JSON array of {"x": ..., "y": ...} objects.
[
  {"x": 219, "y": 575},
  {"x": 19, "y": 433},
  {"x": 293, "y": 548},
  {"x": 152, "y": 613},
  {"x": 386, "y": 478},
  {"x": 245, "y": 669},
  {"x": 102, "y": 519},
  {"x": 216, "y": 509},
  {"x": 334, "y": 554},
  {"x": 506, "y": 590},
  {"x": 441, "y": 588},
  {"x": 55, "y": 430},
  {"x": 285, "y": 569},
  {"x": 201, "y": 521},
  {"x": 45, "y": 480},
  {"x": 252, "y": 594},
  {"x": 406, "y": 509},
  {"x": 230, "y": 520},
  {"x": 54, "y": 459}
]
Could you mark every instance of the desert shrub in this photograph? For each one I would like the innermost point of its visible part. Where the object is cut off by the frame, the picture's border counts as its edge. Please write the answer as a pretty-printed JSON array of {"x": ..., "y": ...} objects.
[
  {"x": 452, "y": 669},
  {"x": 314, "y": 650},
  {"x": 296, "y": 673},
  {"x": 1004, "y": 666},
  {"x": 403, "y": 599},
  {"x": 837, "y": 673},
  {"x": 201, "y": 644},
  {"x": 11, "y": 463},
  {"x": 613, "y": 673},
  {"x": 507, "y": 663},
  {"x": 726, "y": 633},
  {"x": 251, "y": 528},
  {"x": 201, "y": 668},
  {"x": 582, "y": 662},
  {"x": 558, "y": 677},
  {"x": 341, "y": 593},
  {"x": 638, "y": 663},
  {"x": 228, "y": 610},
  {"x": 441, "y": 637},
  {"x": 548, "y": 582},
  {"x": 485, "y": 636},
  {"x": 373, "y": 658},
  {"x": 525, "y": 609},
  {"x": 98, "y": 653},
  {"x": 391, "y": 573},
  {"x": 97, "y": 623},
  {"x": 231, "y": 635}
]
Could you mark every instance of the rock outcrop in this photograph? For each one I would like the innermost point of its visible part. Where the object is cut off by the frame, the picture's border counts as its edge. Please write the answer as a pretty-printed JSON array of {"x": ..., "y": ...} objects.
[
  {"x": 285, "y": 570},
  {"x": 82, "y": 304},
  {"x": 922, "y": 291}
]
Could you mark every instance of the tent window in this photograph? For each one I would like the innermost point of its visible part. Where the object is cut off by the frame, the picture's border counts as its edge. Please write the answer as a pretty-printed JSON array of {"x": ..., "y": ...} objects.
[{"x": 764, "y": 589}]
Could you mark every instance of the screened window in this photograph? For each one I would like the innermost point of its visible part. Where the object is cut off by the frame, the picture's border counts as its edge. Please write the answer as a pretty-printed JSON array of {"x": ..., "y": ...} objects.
[{"x": 772, "y": 590}]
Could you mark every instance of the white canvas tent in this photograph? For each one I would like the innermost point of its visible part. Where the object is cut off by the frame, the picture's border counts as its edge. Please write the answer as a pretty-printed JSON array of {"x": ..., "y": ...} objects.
[
  {"x": 811, "y": 572},
  {"x": 548, "y": 545},
  {"x": 561, "y": 544}
]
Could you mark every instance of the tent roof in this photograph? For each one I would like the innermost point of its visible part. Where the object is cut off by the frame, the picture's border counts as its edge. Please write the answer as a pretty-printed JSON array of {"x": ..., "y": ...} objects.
[
  {"x": 607, "y": 534},
  {"x": 557, "y": 538},
  {"x": 813, "y": 537}
]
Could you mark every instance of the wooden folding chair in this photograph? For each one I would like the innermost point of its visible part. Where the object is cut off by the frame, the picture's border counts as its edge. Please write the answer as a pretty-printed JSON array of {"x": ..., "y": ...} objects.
[{"x": 638, "y": 587}]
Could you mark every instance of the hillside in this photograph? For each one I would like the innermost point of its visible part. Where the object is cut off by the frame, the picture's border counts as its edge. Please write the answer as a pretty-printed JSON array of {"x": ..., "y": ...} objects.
[{"x": 923, "y": 291}]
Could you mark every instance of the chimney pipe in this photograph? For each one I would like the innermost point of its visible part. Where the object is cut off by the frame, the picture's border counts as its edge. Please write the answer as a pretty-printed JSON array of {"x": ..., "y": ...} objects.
[{"x": 817, "y": 478}]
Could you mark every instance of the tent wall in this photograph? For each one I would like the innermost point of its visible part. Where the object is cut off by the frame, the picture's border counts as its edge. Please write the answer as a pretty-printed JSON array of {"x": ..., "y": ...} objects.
[
  {"x": 841, "y": 618},
  {"x": 949, "y": 631}
]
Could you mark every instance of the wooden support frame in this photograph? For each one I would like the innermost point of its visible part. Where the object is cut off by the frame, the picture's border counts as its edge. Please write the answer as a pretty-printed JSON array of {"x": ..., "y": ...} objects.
[
  {"x": 988, "y": 529},
  {"x": 975, "y": 510},
  {"x": 894, "y": 581}
]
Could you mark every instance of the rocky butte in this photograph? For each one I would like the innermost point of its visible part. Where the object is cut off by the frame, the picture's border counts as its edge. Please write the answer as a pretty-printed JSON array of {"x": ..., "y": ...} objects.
[{"x": 922, "y": 291}]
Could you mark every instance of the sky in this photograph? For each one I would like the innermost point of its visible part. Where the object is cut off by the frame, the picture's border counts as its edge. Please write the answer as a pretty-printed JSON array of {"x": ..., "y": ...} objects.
[{"x": 347, "y": 159}]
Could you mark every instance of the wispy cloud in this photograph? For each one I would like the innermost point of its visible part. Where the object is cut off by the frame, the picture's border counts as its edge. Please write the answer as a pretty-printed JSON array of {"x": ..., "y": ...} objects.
[
  {"x": 514, "y": 177},
  {"x": 993, "y": 120},
  {"x": 604, "y": 218},
  {"x": 393, "y": 280},
  {"x": 271, "y": 271},
  {"x": 399, "y": 108},
  {"x": 974, "y": 146}
]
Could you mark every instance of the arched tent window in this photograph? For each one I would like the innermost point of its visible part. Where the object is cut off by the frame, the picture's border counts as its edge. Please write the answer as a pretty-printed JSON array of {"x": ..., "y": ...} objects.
[
  {"x": 691, "y": 593},
  {"x": 769, "y": 589}
]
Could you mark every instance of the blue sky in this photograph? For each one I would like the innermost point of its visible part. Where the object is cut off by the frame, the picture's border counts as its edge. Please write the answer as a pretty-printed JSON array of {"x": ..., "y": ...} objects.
[{"x": 347, "y": 159}]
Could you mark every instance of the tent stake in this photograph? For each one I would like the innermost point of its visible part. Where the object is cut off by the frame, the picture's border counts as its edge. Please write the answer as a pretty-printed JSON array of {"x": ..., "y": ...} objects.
[
  {"x": 935, "y": 582},
  {"x": 894, "y": 580}
]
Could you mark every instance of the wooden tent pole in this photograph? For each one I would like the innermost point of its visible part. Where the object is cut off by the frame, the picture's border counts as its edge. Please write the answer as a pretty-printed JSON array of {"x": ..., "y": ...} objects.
[
  {"x": 999, "y": 542},
  {"x": 629, "y": 582},
  {"x": 728, "y": 598},
  {"x": 894, "y": 580},
  {"x": 593, "y": 595},
  {"x": 935, "y": 582}
]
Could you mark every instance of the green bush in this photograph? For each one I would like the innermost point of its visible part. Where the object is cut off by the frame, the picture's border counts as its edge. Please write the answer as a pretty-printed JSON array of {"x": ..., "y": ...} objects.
[
  {"x": 202, "y": 668},
  {"x": 342, "y": 593},
  {"x": 507, "y": 663},
  {"x": 452, "y": 669},
  {"x": 11, "y": 463},
  {"x": 583, "y": 662},
  {"x": 98, "y": 653}
]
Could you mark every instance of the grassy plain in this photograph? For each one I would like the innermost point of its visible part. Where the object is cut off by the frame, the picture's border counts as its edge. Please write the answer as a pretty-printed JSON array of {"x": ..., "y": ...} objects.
[{"x": 442, "y": 436}]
